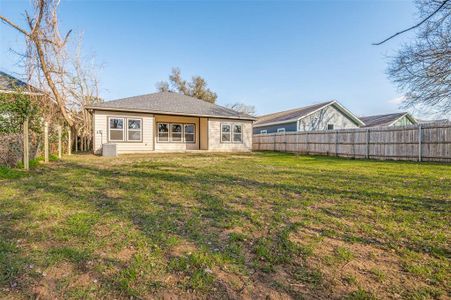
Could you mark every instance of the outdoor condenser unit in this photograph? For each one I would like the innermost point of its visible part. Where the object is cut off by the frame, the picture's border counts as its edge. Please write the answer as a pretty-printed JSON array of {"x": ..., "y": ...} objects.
[{"x": 109, "y": 150}]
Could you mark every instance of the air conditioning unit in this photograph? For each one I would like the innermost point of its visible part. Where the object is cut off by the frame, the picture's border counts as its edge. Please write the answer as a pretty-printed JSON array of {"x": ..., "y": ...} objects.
[{"x": 109, "y": 150}]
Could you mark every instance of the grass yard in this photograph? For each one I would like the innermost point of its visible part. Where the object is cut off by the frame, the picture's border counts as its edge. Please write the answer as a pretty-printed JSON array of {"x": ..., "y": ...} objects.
[{"x": 261, "y": 225}]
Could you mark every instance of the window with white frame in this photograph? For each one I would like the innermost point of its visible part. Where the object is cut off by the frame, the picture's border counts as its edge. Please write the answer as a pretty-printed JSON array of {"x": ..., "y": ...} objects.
[
  {"x": 116, "y": 129},
  {"x": 264, "y": 131},
  {"x": 280, "y": 129},
  {"x": 231, "y": 133},
  {"x": 189, "y": 133},
  {"x": 330, "y": 126},
  {"x": 176, "y": 132},
  {"x": 163, "y": 132},
  {"x": 124, "y": 129},
  {"x": 237, "y": 133},
  {"x": 225, "y": 133},
  {"x": 134, "y": 130}
]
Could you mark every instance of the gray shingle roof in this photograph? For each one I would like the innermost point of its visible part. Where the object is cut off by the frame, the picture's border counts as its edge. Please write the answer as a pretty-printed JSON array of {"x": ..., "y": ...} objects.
[
  {"x": 11, "y": 84},
  {"x": 171, "y": 103},
  {"x": 291, "y": 114},
  {"x": 381, "y": 120}
]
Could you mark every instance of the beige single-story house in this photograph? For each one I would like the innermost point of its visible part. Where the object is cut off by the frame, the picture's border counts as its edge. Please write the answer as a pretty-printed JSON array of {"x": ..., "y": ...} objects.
[{"x": 167, "y": 121}]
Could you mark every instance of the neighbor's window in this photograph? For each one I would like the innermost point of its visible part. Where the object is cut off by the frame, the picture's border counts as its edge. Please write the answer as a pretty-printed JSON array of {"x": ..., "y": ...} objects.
[
  {"x": 225, "y": 133},
  {"x": 189, "y": 133},
  {"x": 176, "y": 132},
  {"x": 280, "y": 129},
  {"x": 237, "y": 133},
  {"x": 134, "y": 129},
  {"x": 330, "y": 126},
  {"x": 116, "y": 129},
  {"x": 263, "y": 131},
  {"x": 163, "y": 132}
]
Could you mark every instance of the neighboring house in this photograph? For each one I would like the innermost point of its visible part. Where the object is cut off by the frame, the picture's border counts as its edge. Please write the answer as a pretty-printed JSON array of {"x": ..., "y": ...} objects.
[
  {"x": 428, "y": 122},
  {"x": 169, "y": 122},
  {"x": 396, "y": 119},
  {"x": 323, "y": 116},
  {"x": 12, "y": 85}
]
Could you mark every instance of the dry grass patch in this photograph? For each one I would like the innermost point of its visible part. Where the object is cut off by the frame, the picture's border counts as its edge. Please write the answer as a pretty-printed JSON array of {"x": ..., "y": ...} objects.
[{"x": 240, "y": 226}]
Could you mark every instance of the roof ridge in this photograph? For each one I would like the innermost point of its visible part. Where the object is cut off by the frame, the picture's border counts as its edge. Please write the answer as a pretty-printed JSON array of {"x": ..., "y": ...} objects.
[{"x": 296, "y": 109}]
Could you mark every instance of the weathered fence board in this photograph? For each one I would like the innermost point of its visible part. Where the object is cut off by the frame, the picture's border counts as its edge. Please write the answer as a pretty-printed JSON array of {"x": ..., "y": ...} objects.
[{"x": 430, "y": 142}]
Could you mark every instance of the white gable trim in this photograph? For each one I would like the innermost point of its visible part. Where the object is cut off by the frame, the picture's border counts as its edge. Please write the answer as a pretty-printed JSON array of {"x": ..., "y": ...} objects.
[
  {"x": 341, "y": 108},
  {"x": 408, "y": 116}
]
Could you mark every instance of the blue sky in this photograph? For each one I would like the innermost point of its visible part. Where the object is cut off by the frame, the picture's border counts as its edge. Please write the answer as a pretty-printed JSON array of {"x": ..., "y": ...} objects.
[{"x": 274, "y": 55}]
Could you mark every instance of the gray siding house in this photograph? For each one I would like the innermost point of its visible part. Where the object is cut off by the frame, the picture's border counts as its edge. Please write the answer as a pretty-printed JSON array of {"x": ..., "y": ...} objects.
[
  {"x": 396, "y": 119},
  {"x": 169, "y": 122},
  {"x": 323, "y": 116}
]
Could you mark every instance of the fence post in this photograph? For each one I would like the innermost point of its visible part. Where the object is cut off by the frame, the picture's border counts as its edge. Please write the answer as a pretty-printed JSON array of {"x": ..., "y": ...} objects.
[
  {"x": 307, "y": 143},
  {"x": 420, "y": 136},
  {"x": 26, "y": 148},
  {"x": 69, "y": 142},
  {"x": 60, "y": 150},
  {"x": 336, "y": 143},
  {"x": 46, "y": 142},
  {"x": 368, "y": 143}
]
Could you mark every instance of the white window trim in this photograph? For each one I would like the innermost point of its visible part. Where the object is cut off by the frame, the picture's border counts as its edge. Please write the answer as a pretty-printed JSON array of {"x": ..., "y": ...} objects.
[
  {"x": 114, "y": 129},
  {"x": 193, "y": 134},
  {"x": 231, "y": 133},
  {"x": 240, "y": 133},
  {"x": 140, "y": 130},
  {"x": 333, "y": 126},
  {"x": 281, "y": 130},
  {"x": 183, "y": 140},
  {"x": 158, "y": 132},
  {"x": 264, "y": 131}
]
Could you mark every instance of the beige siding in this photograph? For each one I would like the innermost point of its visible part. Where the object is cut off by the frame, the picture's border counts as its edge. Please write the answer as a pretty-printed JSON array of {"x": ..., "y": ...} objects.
[
  {"x": 175, "y": 146},
  {"x": 328, "y": 115},
  {"x": 203, "y": 133},
  {"x": 214, "y": 136},
  {"x": 101, "y": 124}
]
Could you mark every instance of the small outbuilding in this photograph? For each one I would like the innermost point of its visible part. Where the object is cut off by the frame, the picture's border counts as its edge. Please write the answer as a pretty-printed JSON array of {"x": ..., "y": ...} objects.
[{"x": 168, "y": 121}]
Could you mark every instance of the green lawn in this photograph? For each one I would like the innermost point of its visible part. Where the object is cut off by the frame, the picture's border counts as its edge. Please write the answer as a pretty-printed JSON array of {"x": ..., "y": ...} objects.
[{"x": 225, "y": 226}]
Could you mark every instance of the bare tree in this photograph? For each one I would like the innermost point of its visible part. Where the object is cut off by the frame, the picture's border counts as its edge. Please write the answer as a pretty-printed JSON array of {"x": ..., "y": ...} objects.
[
  {"x": 422, "y": 69},
  {"x": 242, "y": 108},
  {"x": 196, "y": 88},
  {"x": 46, "y": 49},
  {"x": 83, "y": 91}
]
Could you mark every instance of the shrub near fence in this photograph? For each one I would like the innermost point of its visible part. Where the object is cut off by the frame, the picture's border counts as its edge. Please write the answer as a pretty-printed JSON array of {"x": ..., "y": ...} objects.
[
  {"x": 11, "y": 148},
  {"x": 430, "y": 142}
]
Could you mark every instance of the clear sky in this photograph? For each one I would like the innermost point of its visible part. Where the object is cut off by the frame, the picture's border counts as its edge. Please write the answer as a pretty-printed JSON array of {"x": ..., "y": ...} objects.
[{"x": 275, "y": 55}]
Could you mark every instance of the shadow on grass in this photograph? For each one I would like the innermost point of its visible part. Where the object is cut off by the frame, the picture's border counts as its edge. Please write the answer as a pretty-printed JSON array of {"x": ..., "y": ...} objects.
[{"x": 199, "y": 215}]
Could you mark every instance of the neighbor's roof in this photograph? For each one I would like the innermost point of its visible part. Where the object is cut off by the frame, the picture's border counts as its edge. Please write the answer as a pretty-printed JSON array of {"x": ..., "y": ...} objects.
[
  {"x": 293, "y": 115},
  {"x": 170, "y": 103},
  {"x": 10, "y": 84},
  {"x": 385, "y": 120}
]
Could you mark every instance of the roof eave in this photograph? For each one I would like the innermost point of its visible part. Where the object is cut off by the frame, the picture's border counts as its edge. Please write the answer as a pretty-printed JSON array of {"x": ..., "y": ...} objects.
[{"x": 158, "y": 112}]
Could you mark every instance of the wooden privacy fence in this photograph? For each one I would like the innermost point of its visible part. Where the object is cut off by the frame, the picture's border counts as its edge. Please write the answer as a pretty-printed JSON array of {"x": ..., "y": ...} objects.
[{"x": 429, "y": 142}]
